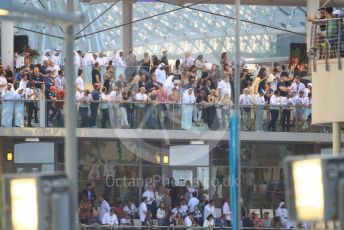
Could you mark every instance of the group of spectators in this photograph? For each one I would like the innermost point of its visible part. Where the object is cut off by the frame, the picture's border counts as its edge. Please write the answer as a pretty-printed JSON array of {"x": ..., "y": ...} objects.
[
  {"x": 154, "y": 94},
  {"x": 180, "y": 206}
]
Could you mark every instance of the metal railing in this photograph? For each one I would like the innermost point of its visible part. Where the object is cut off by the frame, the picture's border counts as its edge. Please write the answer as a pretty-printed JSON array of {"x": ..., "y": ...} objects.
[
  {"x": 153, "y": 115},
  {"x": 327, "y": 41},
  {"x": 109, "y": 227}
]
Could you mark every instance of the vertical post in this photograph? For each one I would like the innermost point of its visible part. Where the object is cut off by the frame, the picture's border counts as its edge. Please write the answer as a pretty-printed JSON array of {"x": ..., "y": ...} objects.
[
  {"x": 70, "y": 138},
  {"x": 7, "y": 42},
  {"x": 312, "y": 9},
  {"x": 234, "y": 148},
  {"x": 127, "y": 30},
  {"x": 336, "y": 139},
  {"x": 341, "y": 203}
]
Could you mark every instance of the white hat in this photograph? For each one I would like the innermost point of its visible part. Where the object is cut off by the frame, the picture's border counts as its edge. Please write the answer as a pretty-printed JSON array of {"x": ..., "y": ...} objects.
[{"x": 309, "y": 84}]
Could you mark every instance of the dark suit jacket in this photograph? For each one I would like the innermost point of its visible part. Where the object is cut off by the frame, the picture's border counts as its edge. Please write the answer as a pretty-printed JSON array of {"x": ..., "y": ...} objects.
[{"x": 91, "y": 195}]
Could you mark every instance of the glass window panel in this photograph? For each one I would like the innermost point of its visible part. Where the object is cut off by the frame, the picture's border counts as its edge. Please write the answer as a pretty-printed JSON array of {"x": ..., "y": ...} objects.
[
  {"x": 118, "y": 152},
  {"x": 270, "y": 155},
  {"x": 151, "y": 153},
  {"x": 262, "y": 187},
  {"x": 88, "y": 152},
  {"x": 219, "y": 184},
  {"x": 155, "y": 173}
]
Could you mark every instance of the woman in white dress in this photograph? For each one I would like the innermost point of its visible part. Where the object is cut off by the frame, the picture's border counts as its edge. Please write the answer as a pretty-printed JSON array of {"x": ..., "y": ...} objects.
[
  {"x": 188, "y": 101},
  {"x": 7, "y": 106}
]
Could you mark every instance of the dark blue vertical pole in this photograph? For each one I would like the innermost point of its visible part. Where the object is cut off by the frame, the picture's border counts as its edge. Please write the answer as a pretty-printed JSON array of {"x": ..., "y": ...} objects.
[
  {"x": 234, "y": 169},
  {"x": 234, "y": 134}
]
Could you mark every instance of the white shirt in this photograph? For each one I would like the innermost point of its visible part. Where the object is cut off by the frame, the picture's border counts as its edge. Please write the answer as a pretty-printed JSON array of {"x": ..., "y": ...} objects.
[
  {"x": 184, "y": 209},
  {"x": 296, "y": 88},
  {"x": 132, "y": 211},
  {"x": 245, "y": 99},
  {"x": 160, "y": 75},
  {"x": 22, "y": 84},
  {"x": 143, "y": 211},
  {"x": 160, "y": 214},
  {"x": 19, "y": 61},
  {"x": 188, "y": 222},
  {"x": 150, "y": 196},
  {"x": 141, "y": 97},
  {"x": 56, "y": 59},
  {"x": 192, "y": 203},
  {"x": 209, "y": 223},
  {"x": 227, "y": 211},
  {"x": 297, "y": 100},
  {"x": 3, "y": 82},
  {"x": 188, "y": 98},
  {"x": 29, "y": 91},
  {"x": 101, "y": 61},
  {"x": 125, "y": 221},
  {"x": 88, "y": 59},
  {"x": 79, "y": 84},
  {"x": 260, "y": 100},
  {"x": 225, "y": 88},
  {"x": 209, "y": 210},
  {"x": 110, "y": 219},
  {"x": 104, "y": 209},
  {"x": 60, "y": 82},
  {"x": 274, "y": 101},
  {"x": 119, "y": 61}
]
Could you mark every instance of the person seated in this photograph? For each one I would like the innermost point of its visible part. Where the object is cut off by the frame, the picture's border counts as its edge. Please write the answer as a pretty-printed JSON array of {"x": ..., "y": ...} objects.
[
  {"x": 130, "y": 208},
  {"x": 110, "y": 218},
  {"x": 222, "y": 222},
  {"x": 95, "y": 218},
  {"x": 119, "y": 211},
  {"x": 198, "y": 217},
  {"x": 209, "y": 221},
  {"x": 126, "y": 220}
]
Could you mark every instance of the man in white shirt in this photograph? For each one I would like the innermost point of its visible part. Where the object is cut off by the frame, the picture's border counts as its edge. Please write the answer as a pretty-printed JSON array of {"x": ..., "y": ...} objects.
[
  {"x": 209, "y": 209},
  {"x": 300, "y": 102},
  {"x": 245, "y": 100},
  {"x": 130, "y": 208},
  {"x": 149, "y": 194},
  {"x": 88, "y": 59},
  {"x": 60, "y": 80},
  {"x": 161, "y": 73},
  {"x": 104, "y": 207},
  {"x": 193, "y": 202},
  {"x": 79, "y": 82},
  {"x": 110, "y": 218},
  {"x": 224, "y": 87},
  {"x": 143, "y": 211},
  {"x": 297, "y": 86},
  {"x": 23, "y": 82},
  {"x": 56, "y": 58},
  {"x": 45, "y": 56}
]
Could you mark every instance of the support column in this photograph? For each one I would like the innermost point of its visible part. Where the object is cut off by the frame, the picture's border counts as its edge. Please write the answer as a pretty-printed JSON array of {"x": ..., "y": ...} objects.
[
  {"x": 312, "y": 11},
  {"x": 336, "y": 139},
  {"x": 127, "y": 30},
  {"x": 7, "y": 42},
  {"x": 71, "y": 153}
]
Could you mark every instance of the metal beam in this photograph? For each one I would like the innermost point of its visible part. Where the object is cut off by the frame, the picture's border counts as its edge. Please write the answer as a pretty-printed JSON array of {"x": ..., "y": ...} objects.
[{"x": 338, "y": 3}]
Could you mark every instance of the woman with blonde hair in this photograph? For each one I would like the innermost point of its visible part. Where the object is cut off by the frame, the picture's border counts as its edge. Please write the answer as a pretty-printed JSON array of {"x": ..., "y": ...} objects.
[{"x": 146, "y": 62}]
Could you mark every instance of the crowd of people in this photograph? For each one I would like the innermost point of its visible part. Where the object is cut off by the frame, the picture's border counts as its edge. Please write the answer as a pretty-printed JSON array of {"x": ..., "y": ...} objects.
[
  {"x": 180, "y": 206},
  {"x": 152, "y": 93}
]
